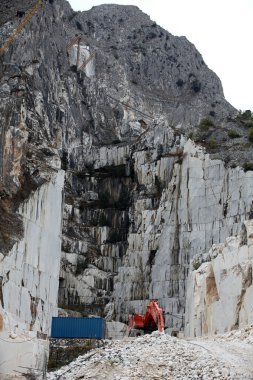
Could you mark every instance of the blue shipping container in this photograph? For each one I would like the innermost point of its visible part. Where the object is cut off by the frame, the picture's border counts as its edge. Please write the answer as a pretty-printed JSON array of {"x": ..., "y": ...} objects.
[{"x": 87, "y": 328}]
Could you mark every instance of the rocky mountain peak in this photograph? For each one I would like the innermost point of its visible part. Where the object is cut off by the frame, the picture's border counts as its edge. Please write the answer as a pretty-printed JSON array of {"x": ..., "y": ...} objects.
[{"x": 167, "y": 66}]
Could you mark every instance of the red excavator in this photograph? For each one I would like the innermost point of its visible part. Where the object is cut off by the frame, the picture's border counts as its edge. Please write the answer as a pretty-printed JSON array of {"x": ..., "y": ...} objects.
[{"x": 145, "y": 324}]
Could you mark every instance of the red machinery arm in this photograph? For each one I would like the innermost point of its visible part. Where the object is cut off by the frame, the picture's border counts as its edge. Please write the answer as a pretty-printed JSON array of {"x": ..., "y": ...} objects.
[
  {"x": 150, "y": 321},
  {"x": 157, "y": 314}
]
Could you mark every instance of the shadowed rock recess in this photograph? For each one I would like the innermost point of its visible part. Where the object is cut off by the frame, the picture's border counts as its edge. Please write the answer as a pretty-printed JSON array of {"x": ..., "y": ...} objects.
[{"x": 120, "y": 162}]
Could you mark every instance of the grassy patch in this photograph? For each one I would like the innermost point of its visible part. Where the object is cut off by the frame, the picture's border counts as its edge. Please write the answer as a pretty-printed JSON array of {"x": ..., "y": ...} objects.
[
  {"x": 250, "y": 134},
  {"x": 248, "y": 166},
  {"x": 233, "y": 134},
  {"x": 212, "y": 143},
  {"x": 196, "y": 264},
  {"x": 205, "y": 124},
  {"x": 246, "y": 118}
]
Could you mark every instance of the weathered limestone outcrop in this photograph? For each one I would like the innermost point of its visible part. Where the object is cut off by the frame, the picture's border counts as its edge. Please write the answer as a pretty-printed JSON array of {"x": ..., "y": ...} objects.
[
  {"x": 219, "y": 292},
  {"x": 10, "y": 10}
]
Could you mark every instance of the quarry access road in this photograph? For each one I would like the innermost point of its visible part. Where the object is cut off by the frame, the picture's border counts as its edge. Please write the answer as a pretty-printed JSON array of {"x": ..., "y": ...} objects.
[
  {"x": 235, "y": 349},
  {"x": 235, "y": 354}
]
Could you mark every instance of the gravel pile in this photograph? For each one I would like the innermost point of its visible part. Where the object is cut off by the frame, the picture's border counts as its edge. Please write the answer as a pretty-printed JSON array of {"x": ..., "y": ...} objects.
[
  {"x": 153, "y": 356},
  {"x": 245, "y": 335}
]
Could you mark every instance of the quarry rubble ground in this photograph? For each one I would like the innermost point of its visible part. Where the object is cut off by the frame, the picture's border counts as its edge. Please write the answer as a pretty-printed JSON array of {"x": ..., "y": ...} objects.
[{"x": 160, "y": 356}]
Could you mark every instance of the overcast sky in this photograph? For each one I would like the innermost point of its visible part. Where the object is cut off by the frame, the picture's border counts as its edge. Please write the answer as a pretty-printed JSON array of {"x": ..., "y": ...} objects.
[{"x": 222, "y": 31}]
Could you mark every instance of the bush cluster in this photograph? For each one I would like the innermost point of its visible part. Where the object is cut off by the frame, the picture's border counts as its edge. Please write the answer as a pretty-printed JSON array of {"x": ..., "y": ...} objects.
[
  {"x": 248, "y": 166},
  {"x": 205, "y": 124},
  {"x": 246, "y": 118},
  {"x": 233, "y": 134},
  {"x": 212, "y": 143},
  {"x": 250, "y": 134}
]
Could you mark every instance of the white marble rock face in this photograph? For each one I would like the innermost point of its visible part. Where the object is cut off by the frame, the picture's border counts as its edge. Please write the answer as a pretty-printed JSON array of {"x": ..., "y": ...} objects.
[
  {"x": 30, "y": 278},
  {"x": 189, "y": 219},
  {"x": 219, "y": 292}
]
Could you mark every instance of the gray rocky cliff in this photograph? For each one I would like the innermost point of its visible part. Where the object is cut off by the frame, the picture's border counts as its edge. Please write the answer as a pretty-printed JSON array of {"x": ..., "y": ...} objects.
[{"x": 140, "y": 128}]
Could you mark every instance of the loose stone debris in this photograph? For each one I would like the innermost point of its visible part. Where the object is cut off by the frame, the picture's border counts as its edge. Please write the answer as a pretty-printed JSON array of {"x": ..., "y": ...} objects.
[{"x": 160, "y": 356}]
